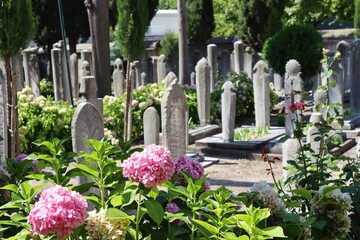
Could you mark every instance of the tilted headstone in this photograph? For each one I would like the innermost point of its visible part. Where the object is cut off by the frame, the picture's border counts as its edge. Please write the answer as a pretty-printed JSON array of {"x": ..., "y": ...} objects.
[
  {"x": 228, "y": 111},
  {"x": 239, "y": 51},
  {"x": 261, "y": 88},
  {"x": 74, "y": 70},
  {"x": 56, "y": 72},
  {"x": 290, "y": 150},
  {"x": 87, "y": 124},
  {"x": 17, "y": 68},
  {"x": 151, "y": 121},
  {"x": 293, "y": 82},
  {"x": 343, "y": 47},
  {"x": 193, "y": 78},
  {"x": 355, "y": 75},
  {"x": 118, "y": 77},
  {"x": 34, "y": 74},
  {"x": 174, "y": 122},
  {"x": 143, "y": 79},
  {"x": 86, "y": 55},
  {"x": 169, "y": 79},
  {"x": 212, "y": 58},
  {"x": 336, "y": 93},
  {"x": 313, "y": 131},
  {"x": 248, "y": 61},
  {"x": 203, "y": 90},
  {"x": 3, "y": 119},
  {"x": 161, "y": 68},
  {"x": 224, "y": 65},
  {"x": 278, "y": 82},
  {"x": 137, "y": 73}
]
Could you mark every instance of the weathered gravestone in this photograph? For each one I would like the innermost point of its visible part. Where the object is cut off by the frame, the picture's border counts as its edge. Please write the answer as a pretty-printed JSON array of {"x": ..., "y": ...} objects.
[
  {"x": 203, "y": 90},
  {"x": 343, "y": 47},
  {"x": 3, "y": 118},
  {"x": 137, "y": 73},
  {"x": 61, "y": 84},
  {"x": 174, "y": 120},
  {"x": 278, "y": 82},
  {"x": 143, "y": 79},
  {"x": 74, "y": 70},
  {"x": 248, "y": 61},
  {"x": 18, "y": 73},
  {"x": 261, "y": 88},
  {"x": 118, "y": 77},
  {"x": 151, "y": 121},
  {"x": 225, "y": 65},
  {"x": 133, "y": 75},
  {"x": 86, "y": 55},
  {"x": 290, "y": 150},
  {"x": 228, "y": 111},
  {"x": 56, "y": 72},
  {"x": 313, "y": 132},
  {"x": 320, "y": 98},
  {"x": 85, "y": 69},
  {"x": 336, "y": 88},
  {"x": 88, "y": 90},
  {"x": 239, "y": 51},
  {"x": 34, "y": 73},
  {"x": 293, "y": 83},
  {"x": 169, "y": 79},
  {"x": 355, "y": 75},
  {"x": 161, "y": 68},
  {"x": 193, "y": 78},
  {"x": 212, "y": 59}
]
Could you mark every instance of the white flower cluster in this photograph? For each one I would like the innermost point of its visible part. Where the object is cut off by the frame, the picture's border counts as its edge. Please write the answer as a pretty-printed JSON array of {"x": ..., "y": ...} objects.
[
  {"x": 110, "y": 100},
  {"x": 108, "y": 134},
  {"x": 336, "y": 206},
  {"x": 267, "y": 196}
]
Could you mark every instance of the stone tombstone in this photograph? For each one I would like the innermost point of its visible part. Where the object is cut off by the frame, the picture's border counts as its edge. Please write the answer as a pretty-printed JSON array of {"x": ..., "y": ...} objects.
[
  {"x": 343, "y": 47},
  {"x": 290, "y": 149},
  {"x": 293, "y": 82},
  {"x": 193, "y": 78},
  {"x": 151, "y": 121},
  {"x": 88, "y": 93},
  {"x": 174, "y": 122},
  {"x": 203, "y": 90},
  {"x": 133, "y": 75},
  {"x": 85, "y": 69},
  {"x": 278, "y": 82},
  {"x": 87, "y": 123},
  {"x": 212, "y": 59},
  {"x": 239, "y": 51},
  {"x": 86, "y": 55},
  {"x": 56, "y": 72},
  {"x": 3, "y": 118},
  {"x": 261, "y": 82},
  {"x": 169, "y": 79},
  {"x": 232, "y": 62},
  {"x": 224, "y": 65},
  {"x": 336, "y": 93},
  {"x": 313, "y": 131},
  {"x": 248, "y": 61},
  {"x": 63, "y": 76},
  {"x": 118, "y": 77},
  {"x": 320, "y": 98},
  {"x": 74, "y": 70},
  {"x": 228, "y": 111},
  {"x": 34, "y": 74},
  {"x": 17, "y": 68},
  {"x": 355, "y": 74},
  {"x": 137, "y": 73},
  {"x": 26, "y": 56},
  {"x": 143, "y": 79},
  {"x": 161, "y": 68}
]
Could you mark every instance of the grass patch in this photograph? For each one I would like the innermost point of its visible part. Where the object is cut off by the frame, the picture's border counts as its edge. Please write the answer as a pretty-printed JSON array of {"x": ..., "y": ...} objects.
[{"x": 249, "y": 133}]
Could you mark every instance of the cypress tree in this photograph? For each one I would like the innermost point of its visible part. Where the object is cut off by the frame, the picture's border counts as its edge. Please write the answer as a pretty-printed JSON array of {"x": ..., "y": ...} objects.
[{"x": 17, "y": 27}]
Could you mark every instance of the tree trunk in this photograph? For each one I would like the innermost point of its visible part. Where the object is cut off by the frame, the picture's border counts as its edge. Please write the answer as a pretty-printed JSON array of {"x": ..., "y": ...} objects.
[
  {"x": 127, "y": 114},
  {"x": 98, "y": 12},
  {"x": 183, "y": 48}
]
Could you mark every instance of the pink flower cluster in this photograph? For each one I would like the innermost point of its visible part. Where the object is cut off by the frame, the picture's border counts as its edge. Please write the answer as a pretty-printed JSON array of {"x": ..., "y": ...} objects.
[
  {"x": 296, "y": 106},
  {"x": 152, "y": 167},
  {"x": 59, "y": 210},
  {"x": 189, "y": 165},
  {"x": 22, "y": 156}
]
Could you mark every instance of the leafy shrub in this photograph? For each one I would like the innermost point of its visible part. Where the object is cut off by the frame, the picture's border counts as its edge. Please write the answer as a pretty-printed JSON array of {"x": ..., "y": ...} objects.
[
  {"x": 300, "y": 42},
  {"x": 169, "y": 44},
  {"x": 46, "y": 88}
]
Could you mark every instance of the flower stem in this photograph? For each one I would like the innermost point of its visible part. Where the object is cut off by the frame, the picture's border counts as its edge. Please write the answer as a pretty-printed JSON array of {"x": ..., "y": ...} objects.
[{"x": 137, "y": 221}]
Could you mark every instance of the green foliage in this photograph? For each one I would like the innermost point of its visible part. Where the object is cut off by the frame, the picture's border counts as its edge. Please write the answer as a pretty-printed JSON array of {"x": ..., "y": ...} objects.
[
  {"x": 226, "y": 17},
  {"x": 259, "y": 20},
  {"x": 167, "y": 4},
  {"x": 46, "y": 88},
  {"x": 357, "y": 19},
  {"x": 299, "y": 42},
  {"x": 249, "y": 133},
  {"x": 200, "y": 20},
  {"x": 132, "y": 25},
  {"x": 17, "y": 26},
  {"x": 169, "y": 45}
]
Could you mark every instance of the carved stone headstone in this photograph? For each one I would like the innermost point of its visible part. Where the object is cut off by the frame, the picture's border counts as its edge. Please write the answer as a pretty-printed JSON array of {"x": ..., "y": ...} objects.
[
  {"x": 85, "y": 69},
  {"x": 212, "y": 58},
  {"x": 313, "y": 131},
  {"x": 87, "y": 123},
  {"x": 343, "y": 47},
  {"x": 239, "y": 51},
  {"x": 137, "y": 73},
  {"x": 88, "y": 93},
  {"x": 293, "y": 82},
  {"x": 74, "y": 70},
  {"x": 261, "y": 88},
  {"x": 151, "y": 121},
  {"x": 228, "y": 111},
  {"x": 161, "y": 68},
  {"x": 320, "y": 98},
  {"x": 63, "y": 76},
  {"x": 3, "y": 118},
  {"x": 174, "y": 122},
  {"x": 169, "y": 79},
  {"x": 56, "y": 72},
  {"x": 17, "y": 68},
  {"x": 278, "y": 82},
  {"x": 355, "y": 75},
  {"x": 118, "y": 77},
  {"x": 34, "y": 74},
  {"x": 336, "y": 93},
  {"x": 225, "y": 64},
  {"x": 193, "y": 78},
  {"x": 290, "y": 149},
  {"x": 86, "y": 55},
  {"x": 248, "y": 60},
  {"x": 203, "y": 90},
  {"x": 143, "y": 79},
  {"x": 26, "y": 56},
  {"x": 133, "y": 75}
]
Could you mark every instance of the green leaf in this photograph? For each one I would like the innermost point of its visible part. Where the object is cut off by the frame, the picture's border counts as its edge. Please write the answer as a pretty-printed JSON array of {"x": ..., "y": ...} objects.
[
  {"x": 11, "y": 187},
  {"x": 303, "y": 192},
  {"x": 274, "y": 231},
  {"x": 116, "y": 213},
  {"x": 90, "y": 170},
  {"x": 18, "y": 217},
  {"x": 332, "y": 83},
  {"x": 205, "y": 228},
  {"x": 26, "y": 187},
  {"x": 117, "y": 201},
  {"x": 319, "y": 224},
  {"x": 155, "y": 210}
]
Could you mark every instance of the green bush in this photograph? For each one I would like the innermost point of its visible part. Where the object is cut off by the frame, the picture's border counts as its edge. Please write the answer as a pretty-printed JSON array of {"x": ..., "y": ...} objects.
[
  {"x": 300, "y": 42},
  {"x": 169, "y": 44}
]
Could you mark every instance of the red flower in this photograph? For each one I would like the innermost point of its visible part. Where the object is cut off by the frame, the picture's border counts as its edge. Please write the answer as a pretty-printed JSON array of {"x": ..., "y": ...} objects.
[{"x": 296, "y": 106}]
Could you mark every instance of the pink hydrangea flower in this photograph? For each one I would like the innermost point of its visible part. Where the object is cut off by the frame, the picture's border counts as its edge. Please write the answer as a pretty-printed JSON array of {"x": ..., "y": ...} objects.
[
  {"x": 189, "y": 165},
  {"x": 135, "y": 103},
  {"x": 152, "y": 167},
  {"x": 296, "y": 106},
  {"x": 59, "y": 210}
]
